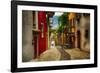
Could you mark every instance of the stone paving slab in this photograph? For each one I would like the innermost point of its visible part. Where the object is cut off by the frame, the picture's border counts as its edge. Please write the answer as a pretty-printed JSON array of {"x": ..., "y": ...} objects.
[
  {"x": 55, "y": 54},
  {"x": 78, "y": 54}
]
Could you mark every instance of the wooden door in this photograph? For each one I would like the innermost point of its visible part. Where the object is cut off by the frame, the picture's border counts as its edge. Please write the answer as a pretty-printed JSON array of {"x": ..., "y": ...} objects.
[
  {"x": 35, "y": 46},
  {"x": 78, "y": 39}
]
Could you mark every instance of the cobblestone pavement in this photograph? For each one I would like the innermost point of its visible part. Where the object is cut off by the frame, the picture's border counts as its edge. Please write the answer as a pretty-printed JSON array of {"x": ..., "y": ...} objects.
[
  {"x": 58, "y": 53},
  {"x": 64, "y": 54},
  {"x": 76, "y": 53}
]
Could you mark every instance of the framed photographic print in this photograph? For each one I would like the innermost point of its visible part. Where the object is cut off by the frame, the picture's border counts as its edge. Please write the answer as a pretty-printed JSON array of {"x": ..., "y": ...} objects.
[{"x": 51, "y": 36}]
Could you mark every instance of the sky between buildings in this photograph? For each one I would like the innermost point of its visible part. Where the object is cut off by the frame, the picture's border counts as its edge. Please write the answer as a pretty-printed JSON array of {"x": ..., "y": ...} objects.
[{"x": 55, "y": 19}]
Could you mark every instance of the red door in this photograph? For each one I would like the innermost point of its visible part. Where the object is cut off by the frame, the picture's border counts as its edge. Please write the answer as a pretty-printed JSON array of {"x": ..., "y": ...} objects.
[{"x": 42, "y": 37}]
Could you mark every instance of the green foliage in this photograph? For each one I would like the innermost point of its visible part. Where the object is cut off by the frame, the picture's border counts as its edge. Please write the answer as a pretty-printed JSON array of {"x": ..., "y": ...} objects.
[
  {"x": 52, "y": 30},
  {"x": 63, "y": 22}
]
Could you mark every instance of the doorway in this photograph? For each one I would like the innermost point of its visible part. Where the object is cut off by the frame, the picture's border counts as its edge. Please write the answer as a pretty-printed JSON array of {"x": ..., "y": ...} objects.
[{"x": 78, "y": 39}]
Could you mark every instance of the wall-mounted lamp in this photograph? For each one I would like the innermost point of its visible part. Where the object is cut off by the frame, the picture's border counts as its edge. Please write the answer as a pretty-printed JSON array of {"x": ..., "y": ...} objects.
[{"x": 42, "y": 30}]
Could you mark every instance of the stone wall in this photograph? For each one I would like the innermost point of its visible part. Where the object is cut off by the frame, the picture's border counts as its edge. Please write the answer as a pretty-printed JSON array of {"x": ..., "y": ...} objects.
[{"x": 27, "y": 48}]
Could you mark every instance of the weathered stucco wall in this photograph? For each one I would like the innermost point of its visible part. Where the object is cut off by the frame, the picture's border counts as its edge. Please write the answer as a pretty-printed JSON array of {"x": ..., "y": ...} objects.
[
  {"x": 27, "y": 48},
  {"x": 85, "y": 26}
]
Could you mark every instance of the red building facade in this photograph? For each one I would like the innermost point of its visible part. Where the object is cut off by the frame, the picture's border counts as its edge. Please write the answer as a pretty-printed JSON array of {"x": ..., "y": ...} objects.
[{"x": 42, "y": 37}]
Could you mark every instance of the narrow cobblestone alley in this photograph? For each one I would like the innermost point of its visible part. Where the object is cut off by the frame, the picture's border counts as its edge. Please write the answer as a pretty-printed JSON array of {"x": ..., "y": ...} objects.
[{"x": 58, "y": 53}]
